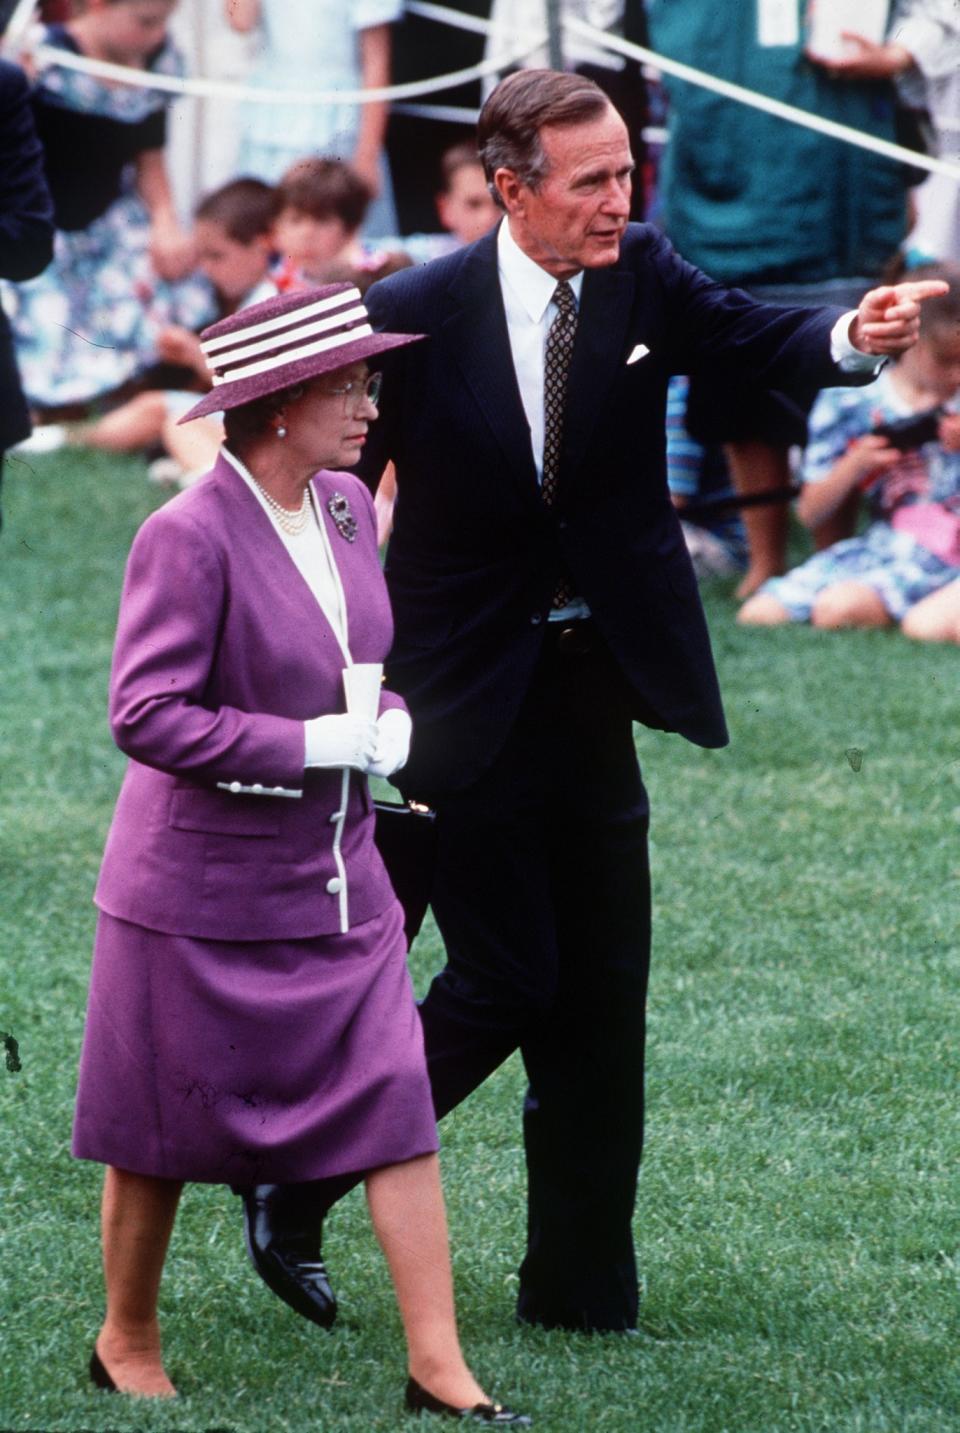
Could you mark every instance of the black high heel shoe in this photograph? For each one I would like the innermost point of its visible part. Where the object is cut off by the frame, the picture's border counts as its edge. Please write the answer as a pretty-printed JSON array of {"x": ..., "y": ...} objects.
[
  {"x": 418, "y": 1400},
  {"x": 99, "y": 1376}
]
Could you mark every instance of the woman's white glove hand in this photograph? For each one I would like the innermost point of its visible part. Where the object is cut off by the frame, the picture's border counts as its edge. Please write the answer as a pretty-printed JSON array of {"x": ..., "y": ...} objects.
[
  {"x": 341, "y": 741},
  {"x": 394, "y": 730}
]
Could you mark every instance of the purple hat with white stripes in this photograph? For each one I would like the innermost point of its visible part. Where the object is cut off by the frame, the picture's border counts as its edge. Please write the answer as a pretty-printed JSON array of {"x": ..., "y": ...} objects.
[{"x": 285, "y": 340}]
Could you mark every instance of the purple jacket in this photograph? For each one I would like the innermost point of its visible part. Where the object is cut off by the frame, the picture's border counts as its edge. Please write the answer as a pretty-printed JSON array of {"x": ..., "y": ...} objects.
[{"x": 222, "y": 653}]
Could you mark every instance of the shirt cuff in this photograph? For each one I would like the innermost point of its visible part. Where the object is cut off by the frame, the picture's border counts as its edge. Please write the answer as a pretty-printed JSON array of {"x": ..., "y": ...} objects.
[{"x": 847, "y": 358}]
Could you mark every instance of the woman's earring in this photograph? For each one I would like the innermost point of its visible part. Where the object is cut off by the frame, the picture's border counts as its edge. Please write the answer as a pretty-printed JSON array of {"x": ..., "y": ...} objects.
[{"x": 281, "y": 431}]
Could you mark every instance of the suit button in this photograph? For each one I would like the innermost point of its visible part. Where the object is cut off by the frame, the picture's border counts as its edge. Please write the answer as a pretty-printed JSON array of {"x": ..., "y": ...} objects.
[
  {"x": 257, "y": 786},
  {"x": 235, "y": 787},
  {"x": 535, "y": 619},
  {"x": 334, "y": 886}
]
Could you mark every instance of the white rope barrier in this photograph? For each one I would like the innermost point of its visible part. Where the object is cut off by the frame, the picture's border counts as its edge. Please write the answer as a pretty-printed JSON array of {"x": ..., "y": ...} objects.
[
  {"x": 455, "y": 18},
  {"x": 761, "y": 102},
  {"x": 447, "y": 113},
  {"x": 230, "y": 89},
  {"x": 18, "y": 24}
]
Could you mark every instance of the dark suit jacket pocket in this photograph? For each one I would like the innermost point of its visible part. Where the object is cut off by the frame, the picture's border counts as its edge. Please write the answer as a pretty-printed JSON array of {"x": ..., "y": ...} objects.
[{"x": 219, "y": 814}]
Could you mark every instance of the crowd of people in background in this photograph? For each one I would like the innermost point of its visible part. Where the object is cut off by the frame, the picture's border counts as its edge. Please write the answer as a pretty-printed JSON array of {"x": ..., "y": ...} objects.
[{"x": 105, "y": 335}]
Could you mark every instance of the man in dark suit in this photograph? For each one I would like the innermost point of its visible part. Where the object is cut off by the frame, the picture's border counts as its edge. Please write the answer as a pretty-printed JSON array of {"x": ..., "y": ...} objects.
[
  {"x": 26, "y": 233},
  {"x": 543, "y": 601}
]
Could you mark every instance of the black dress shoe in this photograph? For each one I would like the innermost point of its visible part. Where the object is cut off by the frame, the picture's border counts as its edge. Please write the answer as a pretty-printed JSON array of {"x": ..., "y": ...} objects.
[
  {"x": 99, "y": 1375},
  {"x": 283, "y": 1240},
  {"x": 418, "y": 1400}
]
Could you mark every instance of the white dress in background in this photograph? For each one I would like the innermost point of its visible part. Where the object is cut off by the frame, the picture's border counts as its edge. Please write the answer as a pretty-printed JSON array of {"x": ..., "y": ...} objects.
[{"x": 312, "y": 44}]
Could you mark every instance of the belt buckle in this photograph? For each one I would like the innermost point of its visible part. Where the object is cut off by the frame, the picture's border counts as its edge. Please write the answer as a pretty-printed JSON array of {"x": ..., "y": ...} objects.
[{"x": 574, "y": 639}]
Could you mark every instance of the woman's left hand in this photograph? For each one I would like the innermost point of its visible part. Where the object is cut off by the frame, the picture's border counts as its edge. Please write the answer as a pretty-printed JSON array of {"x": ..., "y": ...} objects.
[{"x": 394, "y": 730}]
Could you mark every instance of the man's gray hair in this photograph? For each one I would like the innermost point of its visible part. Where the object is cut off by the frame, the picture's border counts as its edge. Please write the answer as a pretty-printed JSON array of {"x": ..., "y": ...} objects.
[{"x": 508, "y": 131}]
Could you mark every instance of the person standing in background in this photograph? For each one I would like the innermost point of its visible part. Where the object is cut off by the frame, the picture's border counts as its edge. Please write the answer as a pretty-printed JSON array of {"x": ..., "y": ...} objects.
[
  {"x": 306, "y": 46},
  {"x": 790, "y": 215},
  {"x": 122, "y": 261},
  {"x": 921, "y": 53},
  {"x": 26, "y": 234}
]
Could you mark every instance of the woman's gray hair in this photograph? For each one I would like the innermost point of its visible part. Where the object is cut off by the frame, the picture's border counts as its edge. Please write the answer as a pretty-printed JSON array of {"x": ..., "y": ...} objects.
[{"x": 508, "y": 131}]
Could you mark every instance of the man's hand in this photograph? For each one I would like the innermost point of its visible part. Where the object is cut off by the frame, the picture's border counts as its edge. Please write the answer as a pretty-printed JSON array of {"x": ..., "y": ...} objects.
[{"x": 888, "y": 319}]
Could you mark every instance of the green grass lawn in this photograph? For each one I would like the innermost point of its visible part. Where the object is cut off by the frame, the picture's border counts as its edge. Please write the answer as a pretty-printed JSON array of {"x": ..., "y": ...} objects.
[{"x": 799, "y": 1213}]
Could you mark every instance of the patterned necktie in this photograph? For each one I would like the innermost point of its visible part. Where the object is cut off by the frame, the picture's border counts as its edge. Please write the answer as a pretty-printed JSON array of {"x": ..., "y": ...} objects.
[{"x": 556, "y": 365}]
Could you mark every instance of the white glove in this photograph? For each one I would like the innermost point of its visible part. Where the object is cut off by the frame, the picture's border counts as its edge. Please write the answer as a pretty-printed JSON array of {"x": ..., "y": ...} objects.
[
  {"x": 394, "y": 730},
  {"x": 340, "y": 741}
]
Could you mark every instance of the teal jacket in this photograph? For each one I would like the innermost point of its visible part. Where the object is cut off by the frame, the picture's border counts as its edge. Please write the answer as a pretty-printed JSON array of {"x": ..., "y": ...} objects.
[{"x": 753, "y": 199}]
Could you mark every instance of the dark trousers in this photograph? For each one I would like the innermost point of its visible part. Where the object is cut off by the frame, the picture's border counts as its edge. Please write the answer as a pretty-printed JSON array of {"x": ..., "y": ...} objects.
[{"x": 542, "y": 900}]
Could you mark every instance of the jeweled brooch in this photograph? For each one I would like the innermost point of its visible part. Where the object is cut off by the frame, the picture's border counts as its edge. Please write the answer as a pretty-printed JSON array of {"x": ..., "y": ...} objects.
[{"x": 343, "y": 519}]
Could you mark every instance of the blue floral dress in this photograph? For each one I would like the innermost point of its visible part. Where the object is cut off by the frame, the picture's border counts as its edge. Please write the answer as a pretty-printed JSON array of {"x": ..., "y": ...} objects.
[
  {"x": 90, "y": 321},
  {"x": 910, "y": 505}
]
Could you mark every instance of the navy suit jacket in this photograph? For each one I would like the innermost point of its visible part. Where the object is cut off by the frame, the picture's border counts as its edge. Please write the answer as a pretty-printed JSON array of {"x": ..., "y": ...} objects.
[
  {"x": 26, "y": 230},
  {"x": 475, "y": 554}
]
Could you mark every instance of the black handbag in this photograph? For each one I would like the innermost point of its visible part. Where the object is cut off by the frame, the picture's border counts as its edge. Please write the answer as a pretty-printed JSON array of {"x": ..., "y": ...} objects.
[{"x": 406, "y": 837}]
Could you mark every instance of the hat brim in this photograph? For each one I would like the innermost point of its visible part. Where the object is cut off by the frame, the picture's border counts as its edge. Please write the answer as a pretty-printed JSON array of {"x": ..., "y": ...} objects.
[{"x": 285, "y": 375}]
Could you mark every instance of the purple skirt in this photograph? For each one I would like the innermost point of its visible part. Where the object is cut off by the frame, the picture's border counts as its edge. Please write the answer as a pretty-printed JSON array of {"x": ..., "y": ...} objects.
[{"x": 252, "y": 1062}]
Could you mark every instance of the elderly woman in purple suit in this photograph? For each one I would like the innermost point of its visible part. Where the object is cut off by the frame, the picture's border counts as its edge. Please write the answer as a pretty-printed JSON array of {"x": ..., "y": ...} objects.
[{"x": 251, "y": 1017}]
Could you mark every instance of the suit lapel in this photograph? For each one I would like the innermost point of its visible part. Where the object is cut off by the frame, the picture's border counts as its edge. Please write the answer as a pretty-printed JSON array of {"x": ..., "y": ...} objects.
[
  {"x": 606, "y": 304},
  {"x": 476, "y": 333}
]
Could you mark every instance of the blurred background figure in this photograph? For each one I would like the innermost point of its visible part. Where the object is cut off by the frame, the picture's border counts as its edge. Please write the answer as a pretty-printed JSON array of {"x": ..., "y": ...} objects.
[
  {"x": 302, "y": 46},
  {"x": 465, "y": 205},
  {"x": 922, "y": 53},
  {"x": 233, "y": 235},
  {"x": 26, "y": 234},
  {"x": 782, "y": 211},
  {"x": 89, "y": 323},
  {"x": 321, "y": 207},
  {"x": 895, "y": 447},
  {"x": 417, "y": 141},
  {"x": 699, "y": 483}
]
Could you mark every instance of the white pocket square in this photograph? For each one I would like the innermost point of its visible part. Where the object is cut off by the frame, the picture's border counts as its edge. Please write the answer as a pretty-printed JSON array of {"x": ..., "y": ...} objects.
[{"x": 639, "y": 352}]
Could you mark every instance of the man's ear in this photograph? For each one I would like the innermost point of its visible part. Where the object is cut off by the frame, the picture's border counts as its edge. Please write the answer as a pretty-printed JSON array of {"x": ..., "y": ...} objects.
[{"x": 511, "y": 190}]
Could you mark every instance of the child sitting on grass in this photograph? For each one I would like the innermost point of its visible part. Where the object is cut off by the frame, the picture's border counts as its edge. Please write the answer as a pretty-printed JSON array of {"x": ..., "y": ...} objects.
[
  {"x": 911, "y": 548},
  {"x": 322, "y": 204},
  {"x": 233, "y": 236}
]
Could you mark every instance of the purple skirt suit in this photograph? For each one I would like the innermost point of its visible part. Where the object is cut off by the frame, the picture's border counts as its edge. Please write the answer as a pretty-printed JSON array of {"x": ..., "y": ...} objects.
[{"x": 250, "y": 1015}]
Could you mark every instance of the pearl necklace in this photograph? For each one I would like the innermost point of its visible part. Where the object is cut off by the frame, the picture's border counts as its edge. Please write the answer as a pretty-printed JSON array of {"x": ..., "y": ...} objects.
[{"x": 292, "y": 523}]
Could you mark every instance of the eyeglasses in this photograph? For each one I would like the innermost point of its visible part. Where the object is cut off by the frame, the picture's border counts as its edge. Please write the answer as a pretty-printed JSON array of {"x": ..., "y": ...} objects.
[{"x": 358, "y": 389}]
